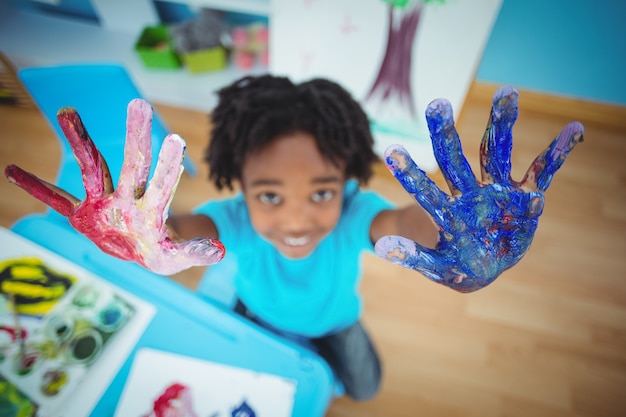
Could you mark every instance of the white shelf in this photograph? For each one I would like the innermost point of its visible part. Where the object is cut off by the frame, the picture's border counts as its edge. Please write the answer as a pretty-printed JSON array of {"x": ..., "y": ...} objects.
[
  {"x": 37, "y": 39},
  {"x": 257, "y": 7}
]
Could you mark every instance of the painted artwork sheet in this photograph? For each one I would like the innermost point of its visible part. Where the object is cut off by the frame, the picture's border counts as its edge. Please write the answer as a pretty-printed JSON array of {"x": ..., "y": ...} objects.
[
  {"x": 395, "y": 57},
  {"x": 162, "y": 383},
  {"x": 64, "y": 332}
]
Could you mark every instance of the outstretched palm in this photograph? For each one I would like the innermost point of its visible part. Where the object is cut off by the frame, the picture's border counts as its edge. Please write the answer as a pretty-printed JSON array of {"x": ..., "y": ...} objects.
[
  {"x": 129, "y": 222},
  {"x": 485, "y": 226}
]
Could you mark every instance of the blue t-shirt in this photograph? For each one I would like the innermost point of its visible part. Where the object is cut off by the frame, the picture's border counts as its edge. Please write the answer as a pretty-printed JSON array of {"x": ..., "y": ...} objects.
[{"x": 313, "y": 296}]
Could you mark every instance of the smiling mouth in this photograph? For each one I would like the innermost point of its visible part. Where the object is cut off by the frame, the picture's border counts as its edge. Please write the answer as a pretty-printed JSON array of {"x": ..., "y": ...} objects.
[{"x": 297, "y": 241}]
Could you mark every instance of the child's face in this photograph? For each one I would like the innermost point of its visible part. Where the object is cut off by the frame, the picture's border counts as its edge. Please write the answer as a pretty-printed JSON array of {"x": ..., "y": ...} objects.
[{"x": 294, "y": 195}]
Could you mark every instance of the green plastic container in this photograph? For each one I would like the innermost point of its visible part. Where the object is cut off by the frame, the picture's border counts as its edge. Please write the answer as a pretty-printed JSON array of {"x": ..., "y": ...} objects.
[
  {"x": 212, "y": 59},
  {"x": 155, "y": 49}
]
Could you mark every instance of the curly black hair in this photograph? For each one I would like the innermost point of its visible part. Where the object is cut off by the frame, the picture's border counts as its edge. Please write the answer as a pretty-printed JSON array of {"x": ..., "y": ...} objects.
[{"x": 255, "y": 110}]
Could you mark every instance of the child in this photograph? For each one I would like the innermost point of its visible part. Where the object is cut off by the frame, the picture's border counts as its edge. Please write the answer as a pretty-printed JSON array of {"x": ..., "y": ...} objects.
[
  {"x": 296, "y": 230},
  {"x": 300, "y": 223}
]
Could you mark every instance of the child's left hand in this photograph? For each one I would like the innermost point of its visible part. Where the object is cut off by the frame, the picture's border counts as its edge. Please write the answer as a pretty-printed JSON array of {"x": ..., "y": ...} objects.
[{"x": 485, "y": 226}]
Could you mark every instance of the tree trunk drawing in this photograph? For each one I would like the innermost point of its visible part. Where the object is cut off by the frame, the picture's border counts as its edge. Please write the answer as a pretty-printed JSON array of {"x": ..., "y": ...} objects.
[{"x": 391, "y": 95}]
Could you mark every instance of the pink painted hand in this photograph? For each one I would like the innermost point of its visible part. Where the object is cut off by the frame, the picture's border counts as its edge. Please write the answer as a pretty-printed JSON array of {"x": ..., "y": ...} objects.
[{"x": 128, "y": 222}]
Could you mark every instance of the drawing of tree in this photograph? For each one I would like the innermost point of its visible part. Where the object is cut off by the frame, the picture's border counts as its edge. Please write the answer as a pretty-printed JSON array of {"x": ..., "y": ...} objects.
[{"x": 391, "y": 96}]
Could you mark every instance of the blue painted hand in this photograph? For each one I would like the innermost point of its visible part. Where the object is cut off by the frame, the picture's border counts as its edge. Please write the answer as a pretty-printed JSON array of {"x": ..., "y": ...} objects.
[{"x": 485, "y": 226}]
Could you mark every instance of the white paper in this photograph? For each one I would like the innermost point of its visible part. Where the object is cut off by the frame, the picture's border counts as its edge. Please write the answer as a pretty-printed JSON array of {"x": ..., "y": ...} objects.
[
  {"x": 216, "y": 389},
  {"x": 345, "y": 40}
]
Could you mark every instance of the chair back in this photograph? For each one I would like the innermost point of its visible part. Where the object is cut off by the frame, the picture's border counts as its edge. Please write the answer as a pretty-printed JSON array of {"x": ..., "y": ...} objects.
[{"x": 100, "y": 93}]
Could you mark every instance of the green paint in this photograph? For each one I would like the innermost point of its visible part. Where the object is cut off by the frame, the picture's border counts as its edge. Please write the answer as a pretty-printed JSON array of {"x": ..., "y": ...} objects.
[{"x": 402, "y": 4}]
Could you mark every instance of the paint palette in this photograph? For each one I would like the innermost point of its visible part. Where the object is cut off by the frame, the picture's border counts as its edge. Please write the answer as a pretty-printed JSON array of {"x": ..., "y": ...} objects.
[{"x": 57, "y": 321}]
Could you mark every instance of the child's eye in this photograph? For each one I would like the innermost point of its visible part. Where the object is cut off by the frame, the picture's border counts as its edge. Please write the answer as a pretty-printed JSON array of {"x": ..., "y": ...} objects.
[
  {"x": 270, "y": 199},
  {"x": 322, "y": 196}
]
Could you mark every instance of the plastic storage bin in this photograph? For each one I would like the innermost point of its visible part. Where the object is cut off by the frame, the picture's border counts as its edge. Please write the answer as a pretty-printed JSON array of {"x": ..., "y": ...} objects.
[
  {"x": 212, "y": 59},
  {"x": 155, "y": 49}
]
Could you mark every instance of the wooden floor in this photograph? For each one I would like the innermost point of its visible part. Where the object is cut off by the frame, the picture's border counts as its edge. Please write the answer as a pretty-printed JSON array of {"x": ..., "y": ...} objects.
[{"x": 548, "y": 338}]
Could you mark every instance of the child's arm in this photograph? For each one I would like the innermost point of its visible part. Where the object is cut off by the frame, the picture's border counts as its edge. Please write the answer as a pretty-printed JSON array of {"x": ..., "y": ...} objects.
[
  {"x": 485, "y": 227},
  {"x": 190, "y": 226},
  {"x": 412, "y": 222},
  {"x": 129, "y": 222}
]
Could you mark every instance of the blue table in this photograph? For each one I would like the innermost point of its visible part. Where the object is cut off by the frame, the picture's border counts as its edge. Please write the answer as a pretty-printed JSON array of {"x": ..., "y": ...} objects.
[{"x": 186, "y": 324}]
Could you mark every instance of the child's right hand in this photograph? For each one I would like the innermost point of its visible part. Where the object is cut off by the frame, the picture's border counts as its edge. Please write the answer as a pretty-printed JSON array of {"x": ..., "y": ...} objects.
[{"x": 129, "y": 222}]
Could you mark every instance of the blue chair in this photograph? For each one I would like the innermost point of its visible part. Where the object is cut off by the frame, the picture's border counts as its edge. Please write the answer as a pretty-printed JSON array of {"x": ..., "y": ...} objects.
[
  {"x": 100, "y": 93},
  {"x": 203, "y": 328}
]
